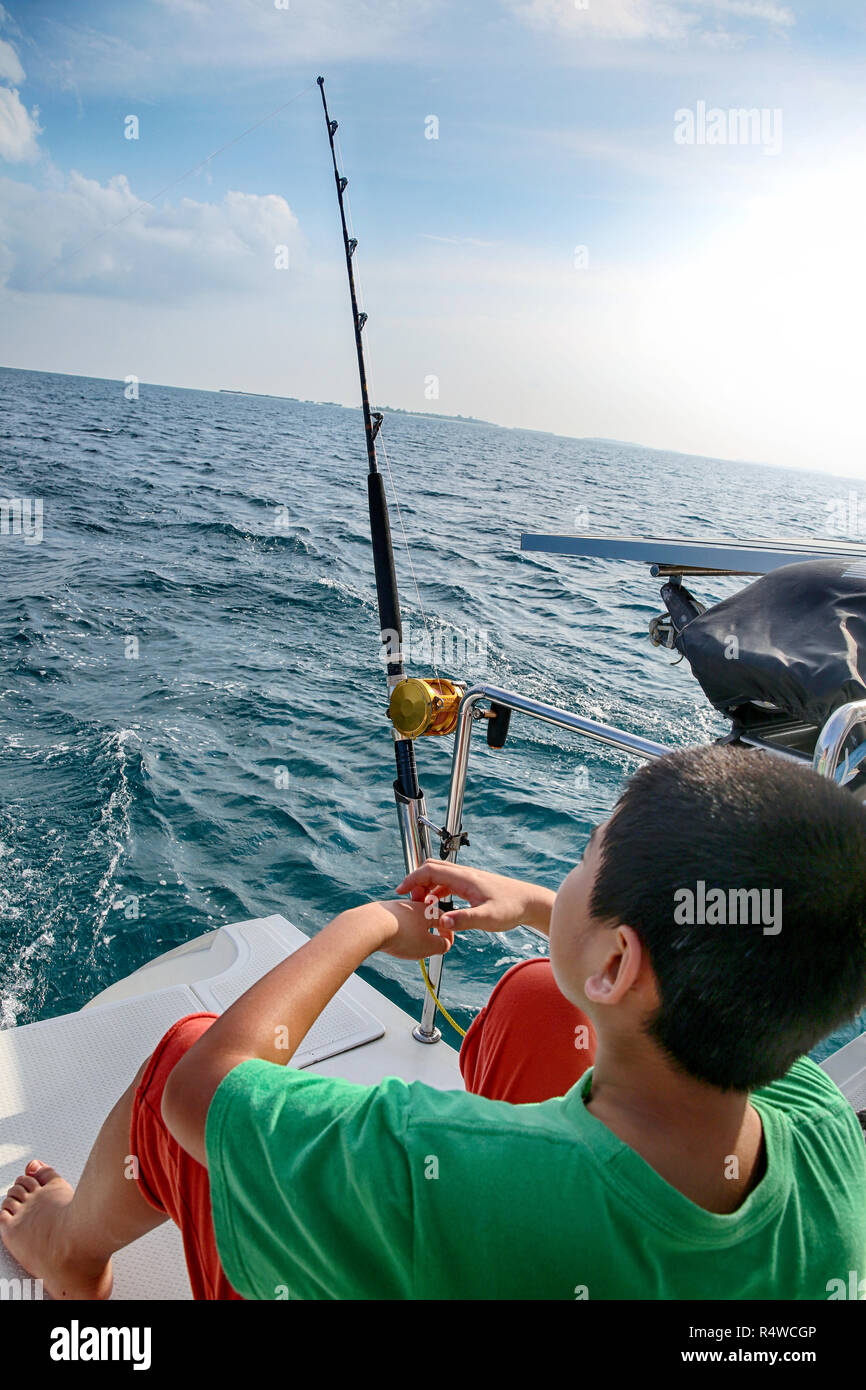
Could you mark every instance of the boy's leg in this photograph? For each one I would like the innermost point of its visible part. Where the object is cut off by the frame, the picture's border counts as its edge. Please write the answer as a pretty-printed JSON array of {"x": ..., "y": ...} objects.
[
  {"x": 528, "y": 1043},
  {"x": 67, "y": 1238},
  {"x": 172, "y": 1181},
  {"x": 137, "y": 1175}
]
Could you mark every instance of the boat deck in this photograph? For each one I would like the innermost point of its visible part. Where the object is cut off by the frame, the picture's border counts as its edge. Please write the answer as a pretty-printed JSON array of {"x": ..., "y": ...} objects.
[{"x": 60, "y": 1078}]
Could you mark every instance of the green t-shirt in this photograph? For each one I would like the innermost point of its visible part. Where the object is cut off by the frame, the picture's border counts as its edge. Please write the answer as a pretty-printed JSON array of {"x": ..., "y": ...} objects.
[{"x": 322, "y": 1188}]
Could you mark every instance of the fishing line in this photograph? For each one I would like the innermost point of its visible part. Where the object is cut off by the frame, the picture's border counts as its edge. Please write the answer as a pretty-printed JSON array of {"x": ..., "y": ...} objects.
[
  {"x": 443, "y": 1011},
  {"x": 371, "y": 377},
  {"x": 151, "y": 202}
]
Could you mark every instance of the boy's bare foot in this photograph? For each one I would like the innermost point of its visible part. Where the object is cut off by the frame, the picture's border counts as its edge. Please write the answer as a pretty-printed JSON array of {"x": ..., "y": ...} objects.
[{"x": 36, "y": 1232}]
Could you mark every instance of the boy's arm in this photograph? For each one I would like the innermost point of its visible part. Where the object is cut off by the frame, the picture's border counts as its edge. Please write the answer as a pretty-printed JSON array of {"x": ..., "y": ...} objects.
[{"x": 272, "y": 1017}]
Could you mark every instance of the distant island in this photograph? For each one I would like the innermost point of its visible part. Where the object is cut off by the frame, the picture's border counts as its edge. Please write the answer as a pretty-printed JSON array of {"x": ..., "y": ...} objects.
[
  {"x": 386, "y": 409},
  {"x": 435, "y": 415},
  {"x": 265, "y": 395}
]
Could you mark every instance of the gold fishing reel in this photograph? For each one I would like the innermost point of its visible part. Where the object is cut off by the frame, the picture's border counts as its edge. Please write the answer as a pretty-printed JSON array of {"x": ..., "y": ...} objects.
[{"x": 425, "y": 706}]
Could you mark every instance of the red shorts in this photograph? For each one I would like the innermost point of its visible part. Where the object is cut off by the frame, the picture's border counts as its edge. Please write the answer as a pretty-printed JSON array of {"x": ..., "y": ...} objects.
[
  {"x": 167, "y": 1177},
  {"x": 527, "y": 1044}
]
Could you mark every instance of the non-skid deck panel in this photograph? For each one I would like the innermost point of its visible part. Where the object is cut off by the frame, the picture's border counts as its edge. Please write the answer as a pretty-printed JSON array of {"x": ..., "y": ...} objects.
[
  {"x": 220, "y": 965},
  {"x": 335, "y": 1026},
  {"x": 847, "y": 1067},
  {"x": 58, "y": 1081}
]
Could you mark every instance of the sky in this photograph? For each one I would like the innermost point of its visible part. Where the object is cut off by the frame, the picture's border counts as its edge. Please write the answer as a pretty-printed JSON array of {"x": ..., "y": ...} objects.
[{"x": 561, "y": 224}]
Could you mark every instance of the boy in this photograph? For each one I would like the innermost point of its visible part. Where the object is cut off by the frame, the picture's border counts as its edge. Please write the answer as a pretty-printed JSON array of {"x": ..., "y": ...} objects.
[{"x": 639, "y": 1120}]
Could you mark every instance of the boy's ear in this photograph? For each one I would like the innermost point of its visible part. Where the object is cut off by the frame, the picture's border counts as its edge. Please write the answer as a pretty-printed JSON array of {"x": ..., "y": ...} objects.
[{"x": 623, "y": 968}]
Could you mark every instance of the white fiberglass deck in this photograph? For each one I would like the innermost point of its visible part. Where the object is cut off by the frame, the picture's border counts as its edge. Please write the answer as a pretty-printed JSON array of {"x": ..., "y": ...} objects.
[{"x": 60, "y": 1078}]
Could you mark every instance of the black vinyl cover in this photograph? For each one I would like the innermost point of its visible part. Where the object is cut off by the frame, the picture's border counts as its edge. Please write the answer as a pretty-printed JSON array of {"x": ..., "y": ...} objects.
[{"x": 801, "y": 639}]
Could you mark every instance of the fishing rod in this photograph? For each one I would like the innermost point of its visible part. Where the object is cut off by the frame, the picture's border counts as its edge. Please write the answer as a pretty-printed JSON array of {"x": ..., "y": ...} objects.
[{"x": 416, "y": 706}]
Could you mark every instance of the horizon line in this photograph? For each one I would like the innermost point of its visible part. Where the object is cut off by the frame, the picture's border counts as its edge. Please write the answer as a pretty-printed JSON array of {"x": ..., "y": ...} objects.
[{"x": 455, "y": 419}]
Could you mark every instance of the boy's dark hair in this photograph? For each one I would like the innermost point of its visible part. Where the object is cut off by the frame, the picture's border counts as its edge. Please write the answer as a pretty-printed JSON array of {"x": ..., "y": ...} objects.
[{"x": 739, "y": 1006}]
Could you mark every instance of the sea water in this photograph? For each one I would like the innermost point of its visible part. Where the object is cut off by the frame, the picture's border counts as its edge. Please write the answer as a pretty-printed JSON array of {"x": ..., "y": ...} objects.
[{"x": 192, "y": 705}]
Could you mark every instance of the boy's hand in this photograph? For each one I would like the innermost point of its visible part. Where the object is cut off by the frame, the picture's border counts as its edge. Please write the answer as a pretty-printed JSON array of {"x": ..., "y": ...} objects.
[
  {"x": 410, "y": 937},
  {"x": 496, "y": 903}
]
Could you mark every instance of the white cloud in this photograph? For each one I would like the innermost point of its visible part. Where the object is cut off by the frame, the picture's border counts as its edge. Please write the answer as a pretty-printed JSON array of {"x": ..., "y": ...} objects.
[
  {"x": 457, "y": 240},
  {"x": 778, "y": 16},
  {"x": 672, "y": 21},
  {"x": 623, "y": 19},
  {"x": 100, "y": 239},
  {"x": 18, "y": 126},
  {"x": 144, "y": 47},
  {"x": 10, "y": 65},
  {"x": 18, "y": 129},
  {"x": 136, "y": 46},
  {"x": 193, "y": 7},
  {"x": 713, "y": 352}
]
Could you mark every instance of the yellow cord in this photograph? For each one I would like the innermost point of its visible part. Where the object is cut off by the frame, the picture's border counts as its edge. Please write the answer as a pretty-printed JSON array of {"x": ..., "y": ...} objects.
[{"x": 444, "y": 1012}]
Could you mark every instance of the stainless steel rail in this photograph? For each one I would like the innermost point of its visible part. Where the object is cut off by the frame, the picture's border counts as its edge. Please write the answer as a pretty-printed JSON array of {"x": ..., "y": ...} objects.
[
  {"x": 831, "y": 739},
  {"x": 426, "y": 1030}
]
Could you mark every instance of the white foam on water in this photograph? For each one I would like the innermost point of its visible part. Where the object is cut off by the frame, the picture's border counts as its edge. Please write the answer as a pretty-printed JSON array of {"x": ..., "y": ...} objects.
[
  {"x": 111, "y": 832},
  {"x": 20, "y": 978}
]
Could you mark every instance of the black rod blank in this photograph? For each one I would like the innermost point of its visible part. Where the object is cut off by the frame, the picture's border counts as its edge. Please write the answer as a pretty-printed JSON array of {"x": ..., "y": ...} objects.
[
  {"x": 390, "y": 622},
  {"x": 349, "y": 244}
]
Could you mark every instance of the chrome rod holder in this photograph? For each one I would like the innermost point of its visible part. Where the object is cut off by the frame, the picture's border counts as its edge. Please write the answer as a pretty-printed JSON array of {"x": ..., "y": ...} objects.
[{"x": 415, "y": 837}]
